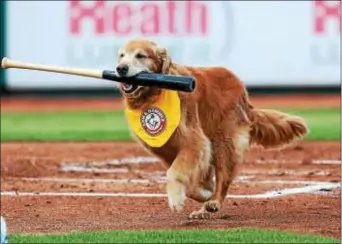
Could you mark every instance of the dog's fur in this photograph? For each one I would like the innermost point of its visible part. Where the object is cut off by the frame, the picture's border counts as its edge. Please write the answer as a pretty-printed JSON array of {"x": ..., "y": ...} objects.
[{"x": 218, "y": 124}]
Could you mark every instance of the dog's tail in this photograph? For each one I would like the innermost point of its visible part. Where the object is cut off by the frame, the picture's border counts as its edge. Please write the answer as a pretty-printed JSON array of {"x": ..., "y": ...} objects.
[{"x": 274, "y": 129}]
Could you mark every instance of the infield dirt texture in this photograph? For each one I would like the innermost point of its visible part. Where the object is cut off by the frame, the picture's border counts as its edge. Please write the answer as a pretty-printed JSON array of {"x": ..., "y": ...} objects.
[{"x": 293, "y": 189}]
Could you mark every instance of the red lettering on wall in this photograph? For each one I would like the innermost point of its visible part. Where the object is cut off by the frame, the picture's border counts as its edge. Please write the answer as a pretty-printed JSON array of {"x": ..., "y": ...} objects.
[
  {"x": 151, "y": 19},
  {"x": 325, "y": 12},
  {"x": 145, "y": 18},
  {"x": 122, "y": 14},
  {"x": 79, "y": 12},
  {"x": 171, "y": 7},
  {"x": 191, "y": 8}
]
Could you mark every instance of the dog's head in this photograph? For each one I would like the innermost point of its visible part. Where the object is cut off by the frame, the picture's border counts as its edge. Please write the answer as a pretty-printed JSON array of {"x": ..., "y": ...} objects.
[{"x": 138, "y": 56}]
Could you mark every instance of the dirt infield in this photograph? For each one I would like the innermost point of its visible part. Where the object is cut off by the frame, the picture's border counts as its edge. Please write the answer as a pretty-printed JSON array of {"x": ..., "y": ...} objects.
[
  {"x": 62, "y": 187},
  {"x": 41, "y": 104},
  {"x": 91, "y": 168}
]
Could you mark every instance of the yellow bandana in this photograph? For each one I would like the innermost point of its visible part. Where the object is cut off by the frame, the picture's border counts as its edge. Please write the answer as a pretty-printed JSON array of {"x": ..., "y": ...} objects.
[{"x": 156, "y": 123}]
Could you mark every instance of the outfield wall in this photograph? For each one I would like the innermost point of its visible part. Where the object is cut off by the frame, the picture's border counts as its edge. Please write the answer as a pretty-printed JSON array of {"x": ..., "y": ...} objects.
[{"x": 278, "y": 43}]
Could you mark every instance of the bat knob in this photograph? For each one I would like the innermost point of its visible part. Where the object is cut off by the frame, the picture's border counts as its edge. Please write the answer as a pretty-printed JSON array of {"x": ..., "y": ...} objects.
[{"x": 4, "y": 63}]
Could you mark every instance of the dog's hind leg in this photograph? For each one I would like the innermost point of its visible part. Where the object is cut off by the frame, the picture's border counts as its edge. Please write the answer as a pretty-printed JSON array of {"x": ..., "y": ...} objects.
[
  {"x": 227, "y": 152},
  {"x": 192, "y": 161},
  {"x": 202, "y": 191}
]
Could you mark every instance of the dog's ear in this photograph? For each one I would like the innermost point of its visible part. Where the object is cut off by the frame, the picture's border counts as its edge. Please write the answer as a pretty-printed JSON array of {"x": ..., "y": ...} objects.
[{"x": 164, "y": 60}]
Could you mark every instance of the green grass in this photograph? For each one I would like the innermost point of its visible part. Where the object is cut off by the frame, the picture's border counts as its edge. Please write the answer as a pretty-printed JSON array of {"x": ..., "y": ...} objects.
[
  {"x": 64, "y": 126},
  {"x": 175, "y": 236},
  {"x": 324, "y": 124},
  {"x": 111, "y": 125}
]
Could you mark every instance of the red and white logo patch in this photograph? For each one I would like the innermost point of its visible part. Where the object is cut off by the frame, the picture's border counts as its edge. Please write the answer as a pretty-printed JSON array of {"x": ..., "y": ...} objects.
[{"x": 153, "y": 120}]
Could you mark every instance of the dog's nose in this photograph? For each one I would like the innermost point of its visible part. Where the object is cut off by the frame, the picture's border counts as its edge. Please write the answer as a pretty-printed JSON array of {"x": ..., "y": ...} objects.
[{"x": 122, "y": 69}]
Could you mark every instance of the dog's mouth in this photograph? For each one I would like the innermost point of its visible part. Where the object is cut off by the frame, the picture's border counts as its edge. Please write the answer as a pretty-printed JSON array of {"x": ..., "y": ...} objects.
[{"x": 129, "y": 88}]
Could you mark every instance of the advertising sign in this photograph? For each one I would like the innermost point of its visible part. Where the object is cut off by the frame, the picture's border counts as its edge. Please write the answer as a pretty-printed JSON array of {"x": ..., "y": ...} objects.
[{"x": 264, "y": 43}]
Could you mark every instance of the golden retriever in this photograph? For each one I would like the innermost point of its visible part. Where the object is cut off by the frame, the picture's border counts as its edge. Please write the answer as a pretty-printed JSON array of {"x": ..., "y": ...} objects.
[{"x": 217, "y": 126}]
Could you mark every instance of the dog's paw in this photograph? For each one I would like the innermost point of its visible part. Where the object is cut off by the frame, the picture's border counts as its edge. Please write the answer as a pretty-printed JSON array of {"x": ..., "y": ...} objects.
[
  {"x": 200, "y": 214},
  {"x": 176, "y": 195},
  {"x": 212, "y": 206}
]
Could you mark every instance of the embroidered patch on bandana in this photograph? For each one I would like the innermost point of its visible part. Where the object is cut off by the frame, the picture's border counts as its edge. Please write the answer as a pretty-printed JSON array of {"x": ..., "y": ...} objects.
[
  {"x": 156, "y": 123},
  {"x": 153, "y": 121}
]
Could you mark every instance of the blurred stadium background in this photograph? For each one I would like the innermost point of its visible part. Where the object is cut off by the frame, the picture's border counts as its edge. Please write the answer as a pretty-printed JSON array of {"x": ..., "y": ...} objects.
[{"x": 283, "y": 46}]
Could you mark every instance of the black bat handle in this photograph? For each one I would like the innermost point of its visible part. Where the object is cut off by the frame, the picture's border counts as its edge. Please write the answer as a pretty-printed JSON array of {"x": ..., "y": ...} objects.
[{"x": 172, "y": 82}]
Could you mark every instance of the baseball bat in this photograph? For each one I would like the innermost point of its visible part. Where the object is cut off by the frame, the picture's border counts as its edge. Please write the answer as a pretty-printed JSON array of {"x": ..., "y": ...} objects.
[{"x": 171, "y": 82}]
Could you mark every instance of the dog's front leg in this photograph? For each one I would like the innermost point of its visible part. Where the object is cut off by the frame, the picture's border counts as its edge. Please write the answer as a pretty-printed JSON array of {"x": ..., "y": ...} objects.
[{"x": 190, "y": 165}]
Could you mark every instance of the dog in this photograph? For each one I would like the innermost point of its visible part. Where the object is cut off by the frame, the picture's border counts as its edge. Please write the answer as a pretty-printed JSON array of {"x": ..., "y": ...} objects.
[{"x": 218, "y": 124}]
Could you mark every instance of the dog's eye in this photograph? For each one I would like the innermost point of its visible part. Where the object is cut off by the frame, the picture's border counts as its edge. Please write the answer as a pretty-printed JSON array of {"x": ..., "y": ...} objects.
[
  {"x": 140, "y": 56},
  {"x": 122, "y": 55}
]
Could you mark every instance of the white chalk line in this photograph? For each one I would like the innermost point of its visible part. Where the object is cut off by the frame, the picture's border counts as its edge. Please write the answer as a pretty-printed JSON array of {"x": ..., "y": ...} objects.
[
  {"x": 85, "y": 169},
  {"x": 288, "y": 172},
  {"x": 122, "y": 161},
  {"x": 315, "y": 161},
  {"x": 268, "y": 194},
  {"x": 149, "y": 160},
  {"x": 93, "y": 167},
  {"x": 326, "y": 161},
  {"x": 158, "y": 179},
  {"x": 283, "y": 182},
  {"x": 86, "y": 180},
  {"x": 313, "y": 186},
  {"x": 74, "y": 168},
  {"x": 161, "y": 180}
]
